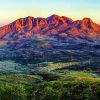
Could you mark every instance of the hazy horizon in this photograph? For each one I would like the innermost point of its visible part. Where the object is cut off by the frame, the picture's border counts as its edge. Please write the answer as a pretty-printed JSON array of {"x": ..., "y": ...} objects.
[{"x": 11, "y": 10}]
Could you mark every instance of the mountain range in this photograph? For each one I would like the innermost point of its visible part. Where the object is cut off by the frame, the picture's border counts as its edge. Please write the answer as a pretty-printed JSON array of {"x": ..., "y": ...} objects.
[
  {"x": 35, "y": 37},
  {"x": 54, "y": 25}
]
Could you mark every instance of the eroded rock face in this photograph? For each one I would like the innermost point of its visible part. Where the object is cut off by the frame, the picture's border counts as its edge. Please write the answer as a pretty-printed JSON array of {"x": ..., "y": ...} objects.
[
  {"x": 51, "y": 26},
  {"x": 52, "y": 38}
]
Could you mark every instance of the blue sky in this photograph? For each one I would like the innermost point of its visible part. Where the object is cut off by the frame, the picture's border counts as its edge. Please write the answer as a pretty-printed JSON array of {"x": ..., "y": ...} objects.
[{"x": 11, "y": 10}]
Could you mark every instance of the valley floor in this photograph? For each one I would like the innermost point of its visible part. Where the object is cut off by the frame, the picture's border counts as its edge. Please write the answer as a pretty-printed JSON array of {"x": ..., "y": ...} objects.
[{"x": 50, "y": 81}]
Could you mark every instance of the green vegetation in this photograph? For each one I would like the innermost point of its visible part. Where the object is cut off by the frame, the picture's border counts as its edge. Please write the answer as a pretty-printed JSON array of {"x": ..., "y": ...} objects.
[
  {"x": 20, "y": 79},
  {"x": 70, "y": 85},
  {"x": 50, "y": 81}
]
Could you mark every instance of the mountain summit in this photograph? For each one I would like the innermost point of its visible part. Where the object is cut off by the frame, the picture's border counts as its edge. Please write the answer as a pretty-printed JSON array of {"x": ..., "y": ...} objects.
[
  {"x": 56, "y": 38},
  {"x": 54, "y": 25}
]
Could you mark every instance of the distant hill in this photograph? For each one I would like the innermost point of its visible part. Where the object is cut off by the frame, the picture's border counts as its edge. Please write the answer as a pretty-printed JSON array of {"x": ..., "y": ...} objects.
[
  {"x": 54, "y": 25},
  {"x": 55, "y": 37}
]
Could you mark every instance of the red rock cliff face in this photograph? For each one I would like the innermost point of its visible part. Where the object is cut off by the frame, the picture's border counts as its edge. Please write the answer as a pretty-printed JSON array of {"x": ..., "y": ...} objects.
[
  {"x": 87, "y": 24},
  {"x": 52, "y": 25},
  {"x": 22, "y": 23}
]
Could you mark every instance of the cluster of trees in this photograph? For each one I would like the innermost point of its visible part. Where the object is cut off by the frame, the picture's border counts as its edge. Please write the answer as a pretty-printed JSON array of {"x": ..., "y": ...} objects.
[{"x": 55, "y": 90}]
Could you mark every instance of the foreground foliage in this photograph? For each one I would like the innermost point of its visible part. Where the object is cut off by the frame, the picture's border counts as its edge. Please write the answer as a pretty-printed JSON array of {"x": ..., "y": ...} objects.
[
  {"x": 50, "y": 81},
  {"x": 55, "y": 86}
]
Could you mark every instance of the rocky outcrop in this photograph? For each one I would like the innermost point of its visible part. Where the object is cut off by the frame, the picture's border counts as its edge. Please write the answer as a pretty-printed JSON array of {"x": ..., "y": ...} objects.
[{"x": 59, "y": 26}]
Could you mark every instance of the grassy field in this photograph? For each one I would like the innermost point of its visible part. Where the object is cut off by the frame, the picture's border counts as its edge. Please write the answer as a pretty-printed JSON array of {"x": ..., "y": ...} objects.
[{"x": 49, "y": 81}]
